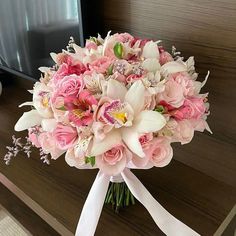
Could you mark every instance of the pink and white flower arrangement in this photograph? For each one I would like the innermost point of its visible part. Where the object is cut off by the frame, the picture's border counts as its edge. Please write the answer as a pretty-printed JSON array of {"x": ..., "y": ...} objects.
[{"x": 117, "y": 103}]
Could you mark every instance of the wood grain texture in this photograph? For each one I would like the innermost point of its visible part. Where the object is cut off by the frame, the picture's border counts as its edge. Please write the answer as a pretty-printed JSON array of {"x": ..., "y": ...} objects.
[
  {"x": 207, "y": 30},
  {"x": 198, "y": 200},
  {"x": 31, "y": 221}
]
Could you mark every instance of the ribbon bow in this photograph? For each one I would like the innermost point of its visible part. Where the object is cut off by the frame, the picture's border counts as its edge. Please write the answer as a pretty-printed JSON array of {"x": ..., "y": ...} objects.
[{"x": 167, "y": 223}]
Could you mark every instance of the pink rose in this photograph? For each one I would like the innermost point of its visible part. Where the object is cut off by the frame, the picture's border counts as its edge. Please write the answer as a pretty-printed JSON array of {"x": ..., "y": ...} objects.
[
  {"x": 137, "y": 162},
  {"x": 193, "y": 108},
  {"x": 200, "y": 125},
  {"x": 183, "y": 132},
  {"x": 70, "y": 85},
  {"x": 160, "y": 152},
  {"x": 68, "y": 69},
  {"x": 113, "y": 161},
  {"x": 101, "y": 65},
  {"x": 48, "y": 144},
  {"x": 187, "y": 83},
  {"x": 65, "y": 136},
  {"x": 165, "y": 57},
  {"x": 173, "y": 94},
  {"x": 124, "y": 37}
]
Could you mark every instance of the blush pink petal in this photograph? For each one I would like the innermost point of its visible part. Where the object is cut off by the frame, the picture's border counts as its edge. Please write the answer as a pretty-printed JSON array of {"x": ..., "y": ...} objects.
[
  {"x": 48, "y": 144},
  {"x": 65, "y": 136},
  {"x": 172, "y": 95},
  {"x": 160, "y": 152},
  {"x": 101, "y": 65},
  {"x": 70, "y": 85},
  {"x": 113, "y": 161}
]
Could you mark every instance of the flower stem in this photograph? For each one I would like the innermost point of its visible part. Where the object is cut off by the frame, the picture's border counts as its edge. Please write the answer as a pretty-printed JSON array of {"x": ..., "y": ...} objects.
[{"x": 119, "y": 196}]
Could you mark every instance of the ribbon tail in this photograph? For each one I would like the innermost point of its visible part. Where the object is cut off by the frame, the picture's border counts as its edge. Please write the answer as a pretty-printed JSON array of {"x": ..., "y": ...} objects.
[
  {"x": 93, "y": 206},
  {"x": 167, "y": 223}
]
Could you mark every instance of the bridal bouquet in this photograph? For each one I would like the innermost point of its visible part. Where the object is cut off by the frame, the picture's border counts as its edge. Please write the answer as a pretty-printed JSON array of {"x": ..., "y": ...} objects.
[{"x": 116, "y": 104}]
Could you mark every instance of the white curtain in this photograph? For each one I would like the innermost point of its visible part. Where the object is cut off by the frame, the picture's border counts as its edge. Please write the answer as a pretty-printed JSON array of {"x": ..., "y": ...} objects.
[{"x": 17, "y": 17}]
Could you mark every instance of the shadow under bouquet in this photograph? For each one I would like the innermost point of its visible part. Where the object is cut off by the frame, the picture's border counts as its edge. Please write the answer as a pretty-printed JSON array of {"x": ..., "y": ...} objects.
[{"x": 116, "y": 104}]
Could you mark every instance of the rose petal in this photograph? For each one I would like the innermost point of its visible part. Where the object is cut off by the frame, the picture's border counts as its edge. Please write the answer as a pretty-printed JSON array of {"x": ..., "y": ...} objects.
[
  {"x": 111, "y": 169},
  {"x": 28, "y": 120},
  {"x": 140, "y": 163},
  {"x": 165, "y": 161}
]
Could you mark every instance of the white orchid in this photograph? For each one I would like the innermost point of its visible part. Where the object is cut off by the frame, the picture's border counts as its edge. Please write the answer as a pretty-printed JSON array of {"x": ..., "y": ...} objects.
[
  {"x": 150, "y": 50},
  {"x": 42, "y": 114},
  {"x": 139, "y": 121}
]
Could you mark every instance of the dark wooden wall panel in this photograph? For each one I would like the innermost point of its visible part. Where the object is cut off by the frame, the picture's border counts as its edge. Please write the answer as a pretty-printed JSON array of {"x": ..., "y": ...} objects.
[{"x": 207, "y": 30}]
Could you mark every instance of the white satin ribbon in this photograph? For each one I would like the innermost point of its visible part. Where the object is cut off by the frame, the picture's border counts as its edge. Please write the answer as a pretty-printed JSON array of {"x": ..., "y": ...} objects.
[
  {"x": 93, "y": 206},
  {"x": 91, "y": 212}
]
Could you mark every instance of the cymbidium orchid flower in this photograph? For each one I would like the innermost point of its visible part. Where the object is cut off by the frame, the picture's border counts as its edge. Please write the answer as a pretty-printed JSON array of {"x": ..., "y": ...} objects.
[
  {"x": 42, "y": 111},
  {"x": 139, "y": 121}
]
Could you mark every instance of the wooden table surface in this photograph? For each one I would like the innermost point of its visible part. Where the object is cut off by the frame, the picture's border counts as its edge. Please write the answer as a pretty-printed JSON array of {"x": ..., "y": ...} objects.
[{"x": 57, "y": 192}]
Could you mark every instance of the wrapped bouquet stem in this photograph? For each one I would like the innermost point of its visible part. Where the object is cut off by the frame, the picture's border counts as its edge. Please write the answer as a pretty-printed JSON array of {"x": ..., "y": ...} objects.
[
  {"x": 117, "y": 104},
  {"x": 118, "y": 194}
]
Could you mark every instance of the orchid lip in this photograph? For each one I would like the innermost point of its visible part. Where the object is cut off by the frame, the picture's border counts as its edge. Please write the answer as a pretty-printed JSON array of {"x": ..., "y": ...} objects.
[{"x": 118, "y": 114}]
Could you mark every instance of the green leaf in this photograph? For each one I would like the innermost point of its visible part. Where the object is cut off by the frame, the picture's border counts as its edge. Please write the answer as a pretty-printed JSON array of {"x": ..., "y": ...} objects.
[
  {"x": 93, "y": 39},
  {"x": 91, "y": 160},
  {"x": 61, "y": 108},
  {"x": 118, "y": 50},
  {"x": 160, "y": 109},
  {"x": 110, "y": 70}
]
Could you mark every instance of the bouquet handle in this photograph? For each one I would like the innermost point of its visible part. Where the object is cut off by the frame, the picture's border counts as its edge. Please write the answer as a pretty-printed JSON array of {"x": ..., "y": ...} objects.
[{"x": 91, "y": 212}]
